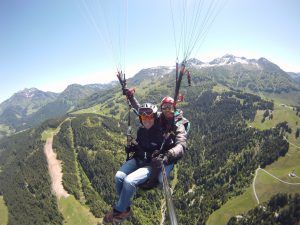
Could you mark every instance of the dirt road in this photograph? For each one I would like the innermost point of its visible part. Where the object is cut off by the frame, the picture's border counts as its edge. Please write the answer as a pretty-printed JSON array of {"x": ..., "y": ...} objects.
[{"x": 55, "y": 171}]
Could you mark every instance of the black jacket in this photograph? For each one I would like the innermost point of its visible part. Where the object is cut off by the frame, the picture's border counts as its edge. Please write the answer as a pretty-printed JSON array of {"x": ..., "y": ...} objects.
[{"x": 148, "y": 141}]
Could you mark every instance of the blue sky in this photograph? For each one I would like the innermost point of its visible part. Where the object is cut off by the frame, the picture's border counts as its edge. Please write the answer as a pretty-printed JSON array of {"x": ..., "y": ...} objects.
[{"x": 52, "y": 43}]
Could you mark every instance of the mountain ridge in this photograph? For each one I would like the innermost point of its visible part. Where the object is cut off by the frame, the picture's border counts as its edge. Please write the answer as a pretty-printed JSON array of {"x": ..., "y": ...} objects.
[
  {"x": 254, "y": 75},
  {"x": 31, "y": 106},
  {"x": 227, "y": 59}
]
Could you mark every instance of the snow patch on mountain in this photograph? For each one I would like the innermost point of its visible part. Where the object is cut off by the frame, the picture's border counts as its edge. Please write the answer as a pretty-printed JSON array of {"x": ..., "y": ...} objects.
[
  {"x": 155, "y": 71},
  {"x": 194, "y": 62},
  {"x": 28, "y": 92},
  {"x": 223, "y": 61}
]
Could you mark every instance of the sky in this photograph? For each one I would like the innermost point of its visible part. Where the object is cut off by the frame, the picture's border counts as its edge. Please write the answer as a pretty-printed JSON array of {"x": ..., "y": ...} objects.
[{"x": 50, "y": 44}]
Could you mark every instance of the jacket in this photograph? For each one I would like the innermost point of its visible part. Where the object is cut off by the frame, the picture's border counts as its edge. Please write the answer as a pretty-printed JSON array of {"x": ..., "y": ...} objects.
[
  {"x": 177, "y": 128},
  {"x": 148, "y": 141}
]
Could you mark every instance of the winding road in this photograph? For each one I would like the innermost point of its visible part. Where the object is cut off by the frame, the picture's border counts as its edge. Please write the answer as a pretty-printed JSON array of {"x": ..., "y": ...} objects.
[{"x": 253, "y": 184}]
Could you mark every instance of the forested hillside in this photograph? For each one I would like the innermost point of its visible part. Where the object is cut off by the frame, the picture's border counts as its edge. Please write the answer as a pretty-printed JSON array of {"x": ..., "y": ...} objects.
[
  {"x": 24, "y": 180},
  {"x": 223, "y": 153}
]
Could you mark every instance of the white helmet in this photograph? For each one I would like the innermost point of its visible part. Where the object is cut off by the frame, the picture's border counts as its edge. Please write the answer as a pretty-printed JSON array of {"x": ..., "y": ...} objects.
[{"x": 147, "y": 109}]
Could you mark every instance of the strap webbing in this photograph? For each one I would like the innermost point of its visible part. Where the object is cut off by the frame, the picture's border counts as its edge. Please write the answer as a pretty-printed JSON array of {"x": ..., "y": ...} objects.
[{"x": 168, "y": 196}]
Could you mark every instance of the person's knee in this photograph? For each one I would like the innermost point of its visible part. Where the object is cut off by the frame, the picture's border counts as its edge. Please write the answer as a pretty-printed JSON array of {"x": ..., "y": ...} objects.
[
  {"x": 129, "y": 183},
  {"x": 120, "y": 176}
]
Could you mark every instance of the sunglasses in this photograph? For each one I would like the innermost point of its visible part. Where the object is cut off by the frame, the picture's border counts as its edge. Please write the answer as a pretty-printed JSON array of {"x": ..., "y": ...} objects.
[
  {"x": 167, "y": 106},
  {"x": 145, "y": 111},
  {"x": 147, "y": 117}
]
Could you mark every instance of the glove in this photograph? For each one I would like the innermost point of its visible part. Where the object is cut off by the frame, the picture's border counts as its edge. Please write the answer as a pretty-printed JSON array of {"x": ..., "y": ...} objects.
[
  {"x": 130, "y": 148},
  {"x": 128, "y": 92},
  {"x": 165, "y": 158},
  {"x": 155, "y": 153}
]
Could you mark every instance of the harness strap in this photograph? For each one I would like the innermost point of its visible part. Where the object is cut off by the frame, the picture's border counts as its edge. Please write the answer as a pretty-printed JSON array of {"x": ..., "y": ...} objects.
[{"x": 168, "y": 196}]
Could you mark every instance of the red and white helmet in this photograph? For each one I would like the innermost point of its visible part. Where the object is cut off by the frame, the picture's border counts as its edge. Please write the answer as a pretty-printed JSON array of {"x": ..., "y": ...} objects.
[{"x": 167, "y": 99}]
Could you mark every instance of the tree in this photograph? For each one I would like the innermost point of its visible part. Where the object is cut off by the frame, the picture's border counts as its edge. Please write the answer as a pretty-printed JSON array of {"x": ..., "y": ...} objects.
[{"x": 297, "y": 132}]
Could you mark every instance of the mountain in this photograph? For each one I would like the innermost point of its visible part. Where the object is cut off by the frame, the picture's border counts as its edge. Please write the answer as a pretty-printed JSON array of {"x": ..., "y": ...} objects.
[
  {"x": 74, "y": 93},
  {"x": 66, "y": 101},
  {"x": 100, "y": 87},
  {"x": 22, "y": 105},
  {"x": 230, "y": 60},
  {"x": 295, "y": 76},
  {"x": 152, "y": 72},
  {"x": 256, "y": 75},
  {"x": 261, "y": 63},
  {"x": 194, "y": 62},
  {"x": 27, "y": 101},
  {"x": 30, "y": 107}
]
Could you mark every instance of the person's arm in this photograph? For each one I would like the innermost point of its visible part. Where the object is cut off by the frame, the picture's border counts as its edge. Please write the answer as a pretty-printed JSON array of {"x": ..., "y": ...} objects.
[
  {"x": 178, "y": 150},
  {"x": 134, "y": 103},
  {"x": 130, "y": 96}
]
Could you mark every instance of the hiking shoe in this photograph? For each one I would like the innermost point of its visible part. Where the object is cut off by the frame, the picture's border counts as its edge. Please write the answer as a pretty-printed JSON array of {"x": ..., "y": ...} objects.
[{"x": 116, "y": 216}]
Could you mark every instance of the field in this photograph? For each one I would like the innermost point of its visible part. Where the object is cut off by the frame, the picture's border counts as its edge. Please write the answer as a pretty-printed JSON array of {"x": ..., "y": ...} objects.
[
  {"x": 94, "y": 109},
  {"x": 51, "y": 132},
  {"x": 3, "y": 212},
  {"x": 266, "y": 185},
  {"x": 234, "y": 206},
  {"x": 5, "y": 130},
  {"x": 75, "y": 213},
  {"x": 48, "y": 133}
]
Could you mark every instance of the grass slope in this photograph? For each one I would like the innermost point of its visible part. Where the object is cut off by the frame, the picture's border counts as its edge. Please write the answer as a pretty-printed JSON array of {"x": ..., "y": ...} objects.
[
  {"x": 5, "y": 130},
  {"x": 291, "y": 98},
  {"x": 3, "y": 212},
  {"x": 234, "y": 206},
  {"x": 74, "y": 213},
  {"x": 220, "y": 88},
  {"x": 266, "y": 186},
  {"x": 49, "y": 133},
  {"x": 281, "y": 113},
  {"x": 94, "y": 109}
]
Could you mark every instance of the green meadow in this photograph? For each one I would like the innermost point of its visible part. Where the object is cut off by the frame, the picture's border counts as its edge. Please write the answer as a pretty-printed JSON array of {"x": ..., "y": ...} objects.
[
  {"x": 3, "y": 212},
  {"x": 75, "y": 213}
]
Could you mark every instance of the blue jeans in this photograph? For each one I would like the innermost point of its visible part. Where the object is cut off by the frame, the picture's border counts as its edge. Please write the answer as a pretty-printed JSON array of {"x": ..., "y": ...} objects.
[{"x": 129, "y": 176}]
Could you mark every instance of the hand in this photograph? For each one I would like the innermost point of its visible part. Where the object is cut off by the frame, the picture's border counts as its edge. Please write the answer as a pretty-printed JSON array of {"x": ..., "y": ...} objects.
[
  {"x": 155, "y": 153},
  {"x": 128, "y": 92},
  {"x": 130, "y": 148},
  {"x": 163, "y": 158}
]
